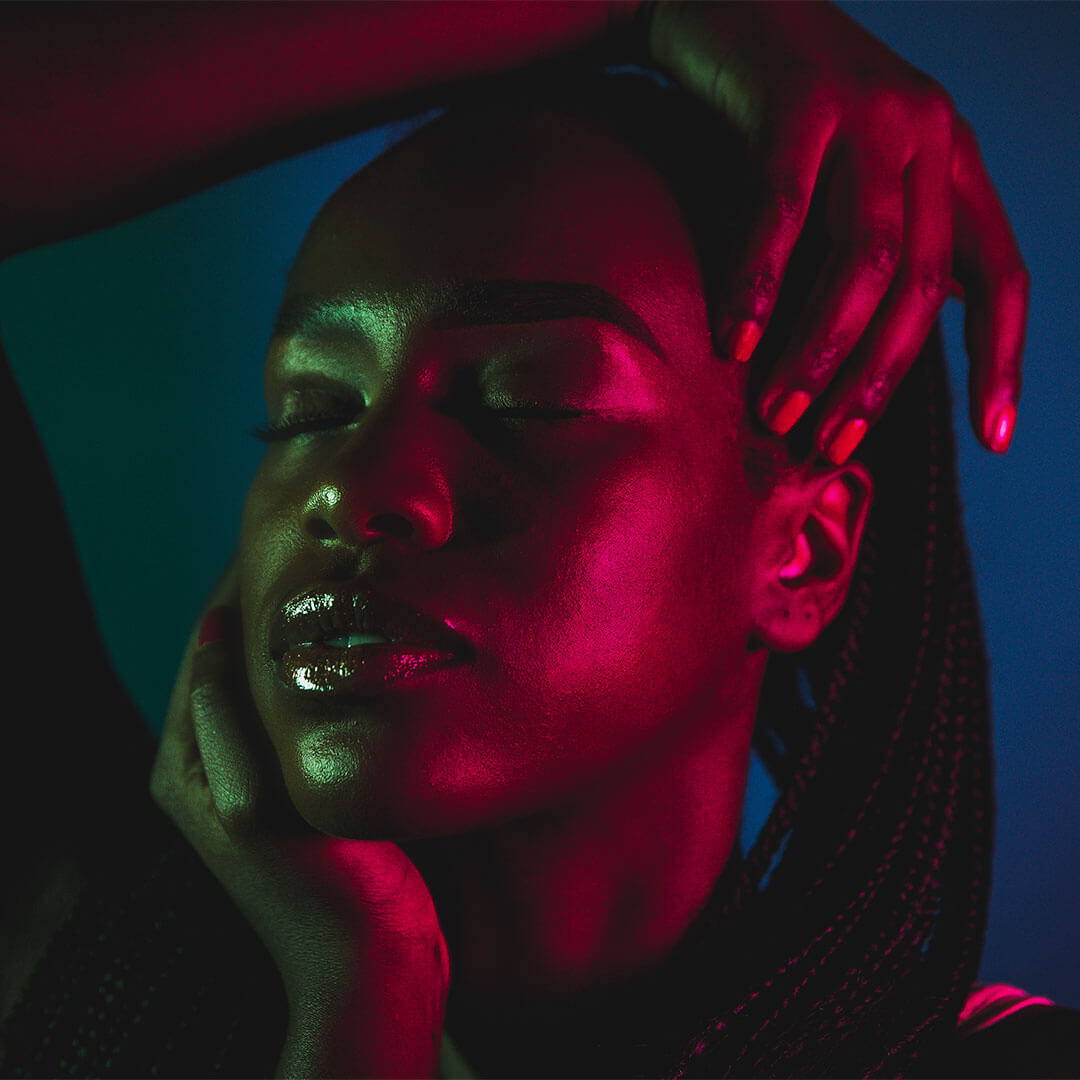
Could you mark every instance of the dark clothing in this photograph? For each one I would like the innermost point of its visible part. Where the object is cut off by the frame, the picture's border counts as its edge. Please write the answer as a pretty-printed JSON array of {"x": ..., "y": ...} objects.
[
  {"x": 1039, "y": 1041},
  {"x": 156, "y": 974}
]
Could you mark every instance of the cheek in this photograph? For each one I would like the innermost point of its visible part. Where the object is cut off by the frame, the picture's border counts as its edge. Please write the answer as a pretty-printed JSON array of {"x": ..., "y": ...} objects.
[
  {"x": 651, "y": 579},
  {"x": 606, "y": 618},
  {"x": 621, "y": 643},
  {"x": 261, "y": 540}
]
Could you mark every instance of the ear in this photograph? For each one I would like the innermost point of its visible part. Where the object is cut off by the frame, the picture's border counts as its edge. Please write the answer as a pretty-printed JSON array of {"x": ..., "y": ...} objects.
[{"x": 807, "y": 543}]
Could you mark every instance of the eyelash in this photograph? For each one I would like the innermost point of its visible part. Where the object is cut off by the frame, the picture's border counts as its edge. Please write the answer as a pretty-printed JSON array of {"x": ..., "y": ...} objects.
[{"x": 284, "y": 430}]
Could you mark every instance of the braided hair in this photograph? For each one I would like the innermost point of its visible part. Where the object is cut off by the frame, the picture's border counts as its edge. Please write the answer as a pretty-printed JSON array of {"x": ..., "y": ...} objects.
[
  {"x": 865, "y": 893},
  {"x": 851, "y": 933}
]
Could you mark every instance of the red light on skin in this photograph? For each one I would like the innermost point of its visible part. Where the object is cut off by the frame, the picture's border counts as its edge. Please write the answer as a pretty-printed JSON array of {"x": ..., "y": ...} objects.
[{"x": 800, "y": 563}]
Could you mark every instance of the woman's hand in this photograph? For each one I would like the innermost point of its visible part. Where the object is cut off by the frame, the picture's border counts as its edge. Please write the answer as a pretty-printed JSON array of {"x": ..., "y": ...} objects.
[
  {"x": 350, "y": 924},
  {"x": 832, "y": 113}
]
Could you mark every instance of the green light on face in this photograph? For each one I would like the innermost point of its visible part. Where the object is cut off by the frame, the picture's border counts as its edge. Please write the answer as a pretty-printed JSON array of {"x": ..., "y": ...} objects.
[{"x": 325, "y": 762}]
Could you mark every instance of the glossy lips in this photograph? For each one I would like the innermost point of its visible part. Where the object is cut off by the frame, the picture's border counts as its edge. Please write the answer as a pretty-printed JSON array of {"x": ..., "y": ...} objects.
[{"x": 390, "y": 642}]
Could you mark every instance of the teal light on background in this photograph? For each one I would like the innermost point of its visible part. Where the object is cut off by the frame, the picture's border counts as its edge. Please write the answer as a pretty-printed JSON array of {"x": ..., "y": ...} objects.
[{"x": 139, "y": 351}]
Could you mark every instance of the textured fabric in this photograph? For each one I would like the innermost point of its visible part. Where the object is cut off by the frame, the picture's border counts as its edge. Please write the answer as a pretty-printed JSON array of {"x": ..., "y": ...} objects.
[{"x": 155, "y": 973}]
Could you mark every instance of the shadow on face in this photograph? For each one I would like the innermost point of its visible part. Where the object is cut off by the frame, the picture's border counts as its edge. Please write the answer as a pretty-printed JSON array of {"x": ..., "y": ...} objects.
[{"x": 505, "y": 452}]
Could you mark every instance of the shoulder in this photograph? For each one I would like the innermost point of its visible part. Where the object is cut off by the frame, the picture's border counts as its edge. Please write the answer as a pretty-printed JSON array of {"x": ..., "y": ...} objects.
[{"x": 1006, "y": 1032}]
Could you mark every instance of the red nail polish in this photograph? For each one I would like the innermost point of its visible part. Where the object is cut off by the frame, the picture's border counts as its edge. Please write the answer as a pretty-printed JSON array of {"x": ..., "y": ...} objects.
[
  {"x": 213, "y": 626},
  {"x": 847, "y": 438},
  {"x": 1001, "y": 432},
  {"x": 744, "y": 341},
  {"x": 786, "y": 410}
]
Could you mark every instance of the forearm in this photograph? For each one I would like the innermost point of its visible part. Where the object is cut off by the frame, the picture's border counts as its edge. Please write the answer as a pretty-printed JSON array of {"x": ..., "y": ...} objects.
[{"x": 115, "y": 108}]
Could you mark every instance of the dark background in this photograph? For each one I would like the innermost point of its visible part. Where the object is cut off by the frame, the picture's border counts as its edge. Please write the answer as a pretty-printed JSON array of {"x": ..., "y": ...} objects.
[{"x": 139, "y": 351}]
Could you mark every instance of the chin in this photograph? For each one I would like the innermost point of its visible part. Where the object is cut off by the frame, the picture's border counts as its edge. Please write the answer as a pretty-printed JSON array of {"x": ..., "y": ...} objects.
[{"x": 339, "y": 788}]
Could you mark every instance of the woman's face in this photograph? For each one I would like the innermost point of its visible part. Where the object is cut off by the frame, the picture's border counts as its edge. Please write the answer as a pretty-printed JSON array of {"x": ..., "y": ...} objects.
[{"x": 522, "y": 481}]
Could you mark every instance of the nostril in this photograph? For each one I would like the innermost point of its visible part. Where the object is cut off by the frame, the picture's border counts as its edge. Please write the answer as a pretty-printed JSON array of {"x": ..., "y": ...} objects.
[
  {"x": 319, "y": 529},
  {"x": 391, "y": 525}
]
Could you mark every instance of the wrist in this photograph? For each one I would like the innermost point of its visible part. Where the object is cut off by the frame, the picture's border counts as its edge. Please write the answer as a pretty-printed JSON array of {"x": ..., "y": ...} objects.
[{"x": 374, "y": 1028}]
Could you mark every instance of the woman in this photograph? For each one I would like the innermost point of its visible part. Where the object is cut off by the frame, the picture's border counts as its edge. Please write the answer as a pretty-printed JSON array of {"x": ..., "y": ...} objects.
[{"x": 805, "y": 555}]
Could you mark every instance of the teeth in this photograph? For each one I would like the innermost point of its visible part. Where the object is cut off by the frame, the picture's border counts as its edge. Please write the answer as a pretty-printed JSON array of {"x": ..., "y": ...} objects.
[{"x": 343, "y": 642}]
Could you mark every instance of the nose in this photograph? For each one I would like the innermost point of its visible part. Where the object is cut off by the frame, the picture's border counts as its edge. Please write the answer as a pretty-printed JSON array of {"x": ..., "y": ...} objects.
[{"x": 389, "y": 484}]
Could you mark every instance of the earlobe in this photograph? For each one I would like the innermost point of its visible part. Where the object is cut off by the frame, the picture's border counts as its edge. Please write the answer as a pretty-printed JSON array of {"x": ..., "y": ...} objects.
[{"x": 809, "y": 555}]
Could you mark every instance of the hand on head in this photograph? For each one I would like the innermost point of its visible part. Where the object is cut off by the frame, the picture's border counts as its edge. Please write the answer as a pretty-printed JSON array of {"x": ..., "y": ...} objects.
[{"x": 839, "y": 121}]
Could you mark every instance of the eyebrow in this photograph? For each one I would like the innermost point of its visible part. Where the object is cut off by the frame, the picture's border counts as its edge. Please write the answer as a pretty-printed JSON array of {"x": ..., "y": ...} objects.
[{"x": 480, "y": 303}]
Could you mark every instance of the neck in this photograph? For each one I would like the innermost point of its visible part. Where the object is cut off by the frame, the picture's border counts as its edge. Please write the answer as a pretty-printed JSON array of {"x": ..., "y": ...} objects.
[{"x": 552, "y": 913}]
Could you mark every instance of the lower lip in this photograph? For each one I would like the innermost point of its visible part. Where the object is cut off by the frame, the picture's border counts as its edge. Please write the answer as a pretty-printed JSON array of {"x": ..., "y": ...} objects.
[{"x": 359, "y": 669}]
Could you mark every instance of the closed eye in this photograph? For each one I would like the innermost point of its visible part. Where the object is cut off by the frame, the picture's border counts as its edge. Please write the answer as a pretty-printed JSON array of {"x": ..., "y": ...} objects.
[
  {"x": 287, "y": 429},
  {"x": 536, "y": 412}
]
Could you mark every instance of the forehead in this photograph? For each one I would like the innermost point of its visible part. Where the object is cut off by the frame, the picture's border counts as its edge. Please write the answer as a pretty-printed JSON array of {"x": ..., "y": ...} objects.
[{"x": 525, "y": 196}]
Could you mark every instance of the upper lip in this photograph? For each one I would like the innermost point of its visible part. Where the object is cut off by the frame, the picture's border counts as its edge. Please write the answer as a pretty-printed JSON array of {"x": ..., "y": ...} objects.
[{"x": 321, "y": 613}]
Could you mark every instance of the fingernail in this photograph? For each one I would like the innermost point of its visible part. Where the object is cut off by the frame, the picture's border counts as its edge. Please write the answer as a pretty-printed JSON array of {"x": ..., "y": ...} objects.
[
  {"x": 786, "y": 410},
  {"x": 1001, "y": 432},
  {"x": 744, "y": 340},
  {"x": 213, "y": 626},
  {"x": 847, "y": 438}
]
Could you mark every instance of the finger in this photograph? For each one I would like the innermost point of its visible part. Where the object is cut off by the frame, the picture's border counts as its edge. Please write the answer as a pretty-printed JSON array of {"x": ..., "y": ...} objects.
[
  {"x": 905, "y": 317},
  {"x": 791, "y": 163},
  {"x": 989, "y": 266},
  {"x": 220, "y": 721},
  {"x": 861, "y": 273},
  {"x": 177, "y": 778},
  {"x": 178, "y": 782}
]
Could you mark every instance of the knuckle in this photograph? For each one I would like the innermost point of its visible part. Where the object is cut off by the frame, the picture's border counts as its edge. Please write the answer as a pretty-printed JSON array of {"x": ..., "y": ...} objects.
[
  {"x": 883, "y": 97},
  {"x": 934, "y": 285},
  {"x": 878, "y": 250},
  {"x": 937, "y": 106},
  {"x": 759, "y": 290},
  {"x": 788, "y": 200},
  {"x": 890, "y": 106},
  {"x": 821, "y": 360},
  {"x": 879, "y": 385}
]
